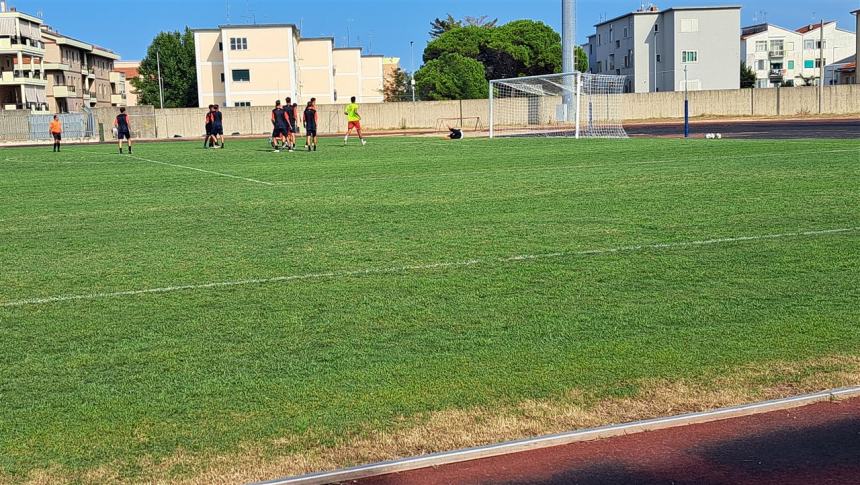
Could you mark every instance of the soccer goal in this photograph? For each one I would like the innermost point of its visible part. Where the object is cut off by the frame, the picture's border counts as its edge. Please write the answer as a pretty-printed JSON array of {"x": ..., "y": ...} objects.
[{"x": 576, "y": 105}]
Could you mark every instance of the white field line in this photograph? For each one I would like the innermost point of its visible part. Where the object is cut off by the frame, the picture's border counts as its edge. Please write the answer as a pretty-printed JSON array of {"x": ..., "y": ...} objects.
[
  {"x": 543, "y": 168},
  {"x": 420, "y": 267},
  {"x": 176, "y": 165}
]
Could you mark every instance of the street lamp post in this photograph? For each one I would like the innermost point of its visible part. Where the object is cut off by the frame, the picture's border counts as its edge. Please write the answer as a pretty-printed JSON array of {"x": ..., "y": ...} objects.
[{"x": 412, "y": 68}]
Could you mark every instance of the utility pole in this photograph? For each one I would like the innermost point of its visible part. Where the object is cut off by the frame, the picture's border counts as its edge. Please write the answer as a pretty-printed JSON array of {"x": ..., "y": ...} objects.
[
  {"x": 160, "y": 82},
  {"x": 821, "y": 70},
  {"x": 412, "y": 67},
  {"x": 686, "y": 106},
  {"x": 568, "y": 56}
]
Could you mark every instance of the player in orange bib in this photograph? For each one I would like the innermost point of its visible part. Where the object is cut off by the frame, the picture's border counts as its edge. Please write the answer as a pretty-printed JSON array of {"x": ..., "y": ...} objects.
[{"x": 56, "y": 129}]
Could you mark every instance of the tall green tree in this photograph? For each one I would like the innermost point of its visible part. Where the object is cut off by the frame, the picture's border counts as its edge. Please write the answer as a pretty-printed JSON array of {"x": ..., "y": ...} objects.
[
  {"x": 178, "y": 71},
  {"x": 522, "y": 48},
  {"x": 452, "y": 76},
  {"x": 747, "y": 76},
  {"x": 466, "y": 41},
  {"x": 440, "y": 26},
  {"x": 397, "y": 89}
]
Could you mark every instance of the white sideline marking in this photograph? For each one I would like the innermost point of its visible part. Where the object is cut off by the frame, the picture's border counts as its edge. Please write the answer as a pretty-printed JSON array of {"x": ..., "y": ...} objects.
[
  {"x": 421, "y": 267},
  {"x": 211, "y": 172},
  {"x": 204, "y": 171}
]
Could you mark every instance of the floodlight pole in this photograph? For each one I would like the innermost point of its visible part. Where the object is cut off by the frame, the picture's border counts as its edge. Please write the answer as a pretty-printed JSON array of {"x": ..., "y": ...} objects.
[
  {"x": 578, "y": 96},
  {"x": 492, "y": 112},
  {"x": 568, "y": 51}
]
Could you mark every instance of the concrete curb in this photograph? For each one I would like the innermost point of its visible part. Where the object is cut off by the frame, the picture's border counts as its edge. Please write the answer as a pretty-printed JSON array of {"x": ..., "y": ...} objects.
[{"x": 447, "y": 458}]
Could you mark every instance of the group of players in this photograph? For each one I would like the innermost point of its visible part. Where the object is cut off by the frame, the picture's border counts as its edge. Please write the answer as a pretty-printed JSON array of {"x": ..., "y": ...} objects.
[{"x": 285, "y": 124}]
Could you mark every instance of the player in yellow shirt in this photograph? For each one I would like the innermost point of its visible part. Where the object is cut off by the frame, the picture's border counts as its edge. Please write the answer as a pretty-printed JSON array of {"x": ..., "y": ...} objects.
[{"x": 354, "y": 121}]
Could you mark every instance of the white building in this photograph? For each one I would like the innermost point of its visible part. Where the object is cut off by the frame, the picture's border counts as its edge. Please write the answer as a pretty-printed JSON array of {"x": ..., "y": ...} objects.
[
  {"x": 655, "y": 47},
  {"x": 781, "y": 56}
]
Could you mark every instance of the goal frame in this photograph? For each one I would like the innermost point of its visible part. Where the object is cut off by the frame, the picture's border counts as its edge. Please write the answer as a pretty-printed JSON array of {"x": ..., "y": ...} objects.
[{"x": 572, "y": 99}]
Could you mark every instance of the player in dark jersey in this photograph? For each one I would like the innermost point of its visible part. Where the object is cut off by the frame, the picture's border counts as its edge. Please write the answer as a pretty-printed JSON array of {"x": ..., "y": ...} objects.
[
  {"x": 280, "y": 126},
  {"x": 456, "y": 133},
  {"x": 123, "y": 129},
  {"x": 291, "y": 114},
  {"x": 218, "y": 126},
  {"x": 311, "y": 119},
  {"x": 208, "y": 142}
]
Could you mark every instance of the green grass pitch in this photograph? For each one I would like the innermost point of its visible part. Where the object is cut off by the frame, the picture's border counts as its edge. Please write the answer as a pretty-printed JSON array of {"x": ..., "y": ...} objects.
[{"x": 354, "y": 286}]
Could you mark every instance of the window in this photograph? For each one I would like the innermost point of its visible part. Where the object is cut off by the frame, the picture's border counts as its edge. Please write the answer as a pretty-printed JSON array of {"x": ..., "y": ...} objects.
[
  {"x": 790, "y": 65},
  {"x": 242, "y": 104},
  {"x": 599, "y": 66},
  {"x": 617, "y": 44},
  {"x": 809, "y": 44},
  {"x": 241, "y": 75},
  {"x": 599, "y": 39},
  {"x": 808, "y": 64},
  {"x": 222, "y": 77},
  {"x": 611, "y": 62},
  {"x": 689, "y": 57},
  {"x": 626, "y": 33},
  {"x": 820, "y": 45},
  {"x": 777, "y": 45},
  {"x": 818, "y": 63},
  {"x": 759, "y": 65},
  {"x": 659, "y": 58},
  {"x": 220, "y": 46},
  {"x": 789, "y": 46},
  {"x": 689, "y": 25},
  {"x": 238, "y": 44},
  {"x": 761, "y": 46},
  {"x": 656, "y": 28},
  {"x": 611, "y": 34}
]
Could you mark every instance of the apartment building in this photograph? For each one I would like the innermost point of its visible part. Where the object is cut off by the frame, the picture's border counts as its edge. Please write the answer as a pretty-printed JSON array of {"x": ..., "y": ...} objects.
[
  {"x": 80, "y": 75},
  {"x": 656, "y": 48},
  {"x": 130, "y": 71},
  {"x": 23, "y": 78},
  {"x": 253, "y": 65},
  {"x": 785, "y": 57}
]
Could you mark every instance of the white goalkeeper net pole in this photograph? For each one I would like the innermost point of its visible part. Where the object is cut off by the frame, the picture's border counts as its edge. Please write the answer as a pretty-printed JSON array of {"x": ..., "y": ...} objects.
[{"x": 576, "y": 105}]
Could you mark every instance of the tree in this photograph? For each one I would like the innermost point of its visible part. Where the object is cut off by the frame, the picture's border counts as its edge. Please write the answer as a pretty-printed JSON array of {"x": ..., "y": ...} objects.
[
  {"x": 522, "y": 48},
  {"x": 178, "y": 71},
  {"x": 747, "y": 76},
  {"x": 452, "y": 76},
  {"x": 440, "y": 26},
  {"x": 466, "y": 41},
  {"x": 397, "y": 88},
  {"x": 581, "y": 59}
]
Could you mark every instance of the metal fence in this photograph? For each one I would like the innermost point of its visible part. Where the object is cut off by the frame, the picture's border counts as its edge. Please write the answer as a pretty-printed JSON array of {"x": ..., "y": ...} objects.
[{"x": 75, "y": 126}]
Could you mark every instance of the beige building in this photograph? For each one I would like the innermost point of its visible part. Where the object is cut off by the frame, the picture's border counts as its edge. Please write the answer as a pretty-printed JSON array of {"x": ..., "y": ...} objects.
[
  {"x": 80, "y": 75},
  {"x": 130, "y": 70},
  {"x": 23, "y": 79},
  {"x": 254, "y": 65}
]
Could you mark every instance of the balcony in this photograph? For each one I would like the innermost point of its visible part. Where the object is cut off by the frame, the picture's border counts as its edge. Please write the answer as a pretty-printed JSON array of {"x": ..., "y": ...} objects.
[
  {"x": 117, "y": 99},
  {"x": 65, "y": 91},
  {"x": 776, "y": 53},
  {"x": 13, "y": 78},
  {"x": 15, "y": 45},
  {"x": 776, "y": 75},
  {"x": 56, "y": 66},
  {"x": 117, "y": 77}
]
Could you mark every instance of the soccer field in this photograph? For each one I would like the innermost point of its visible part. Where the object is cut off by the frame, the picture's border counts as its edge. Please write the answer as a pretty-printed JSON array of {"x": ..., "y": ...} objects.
[{"x": 236, "y": 314}]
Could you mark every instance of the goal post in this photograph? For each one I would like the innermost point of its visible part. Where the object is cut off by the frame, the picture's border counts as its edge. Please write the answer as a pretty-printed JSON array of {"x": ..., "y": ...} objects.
[{"x": 571, "y": 105}]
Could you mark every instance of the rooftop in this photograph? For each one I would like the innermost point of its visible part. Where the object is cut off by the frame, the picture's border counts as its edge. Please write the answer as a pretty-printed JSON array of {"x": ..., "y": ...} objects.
[
  {"x": 811, "y": 27},
  {"x": 655, "y": 11}
]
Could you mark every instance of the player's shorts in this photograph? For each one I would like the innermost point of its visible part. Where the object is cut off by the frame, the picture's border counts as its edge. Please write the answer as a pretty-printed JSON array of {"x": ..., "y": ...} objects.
[
  {"x": 123, "y": 135},
  {"x": 208, "y": 130},
  {"x": 296, "y": 129},
  {"x": 355, "y": 124},
  {"x": 311, "y": 131},
  {"x": 217, "y": 130},
  {"x": 456, "y": 135},
  {"x": 279, "y": 132},
  {"x": 57, "y": 136}
]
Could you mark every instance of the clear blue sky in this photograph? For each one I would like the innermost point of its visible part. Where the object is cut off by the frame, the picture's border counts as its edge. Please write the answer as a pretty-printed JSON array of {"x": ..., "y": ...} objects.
[{"x": 385, "y": 26}]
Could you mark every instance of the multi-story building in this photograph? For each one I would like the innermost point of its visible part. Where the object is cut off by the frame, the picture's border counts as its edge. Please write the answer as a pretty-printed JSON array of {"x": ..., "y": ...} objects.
[
  {"x": 23, "y": 79},
  {"x": 253, "y": 65},
  {"x": 80, "y": 75},
  {"x": 131, "y": 71},
  {"x": 784, "y": 57},
  {"x": 658, "y": 49}
]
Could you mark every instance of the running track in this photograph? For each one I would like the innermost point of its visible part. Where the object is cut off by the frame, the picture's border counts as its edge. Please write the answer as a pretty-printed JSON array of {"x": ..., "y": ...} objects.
[
  {"x": 816, "y": 444},
  {"x": 763, "y": 129}
]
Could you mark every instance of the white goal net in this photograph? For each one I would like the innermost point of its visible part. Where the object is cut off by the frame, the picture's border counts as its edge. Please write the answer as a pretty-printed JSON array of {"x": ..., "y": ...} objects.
[{"x": 557, "y": 105}]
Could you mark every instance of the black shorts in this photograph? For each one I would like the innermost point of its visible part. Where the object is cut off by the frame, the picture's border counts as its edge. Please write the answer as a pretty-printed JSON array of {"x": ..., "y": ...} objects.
[
  {"x": 123, "y": 134},
  {"x": 208, "y": 130},
  {"x": 57, "y": 136},
  {"x": 279, "y": 132},
  {"x": 311, "y": 131},
  {"x": 456, "y": 135},
  {"x": 217, "y": 130}
]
